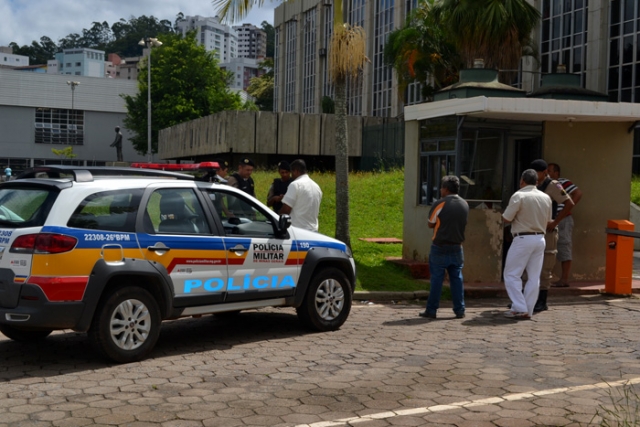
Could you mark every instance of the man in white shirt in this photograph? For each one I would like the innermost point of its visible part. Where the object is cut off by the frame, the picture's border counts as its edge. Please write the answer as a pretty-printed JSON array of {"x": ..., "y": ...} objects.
[
  {"x": 303, "y": 197},
  {"x": 529, "y": 212}
]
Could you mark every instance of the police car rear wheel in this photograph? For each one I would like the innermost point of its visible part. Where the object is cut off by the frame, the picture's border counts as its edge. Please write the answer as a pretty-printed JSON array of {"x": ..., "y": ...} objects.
[
  {"x": 24, "y": 335},
  {"x": 127, "y": 325},
  {"x": 327, "y": 302}
]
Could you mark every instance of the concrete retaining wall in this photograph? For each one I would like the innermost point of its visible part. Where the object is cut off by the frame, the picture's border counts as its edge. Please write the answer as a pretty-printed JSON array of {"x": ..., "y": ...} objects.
[{"x": 260, "y": 132}]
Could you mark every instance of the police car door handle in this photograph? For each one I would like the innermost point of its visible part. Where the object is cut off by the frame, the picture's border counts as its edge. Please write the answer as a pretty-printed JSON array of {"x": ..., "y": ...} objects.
[
  {"x": 159, "y": 247},
  {"x": 238, "y": 248}
]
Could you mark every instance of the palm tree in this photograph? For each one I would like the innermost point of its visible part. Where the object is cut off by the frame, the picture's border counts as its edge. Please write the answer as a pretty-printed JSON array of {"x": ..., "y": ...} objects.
[
  {"x": 346, "y": 58},
  {"x": 498, "y": 31}
]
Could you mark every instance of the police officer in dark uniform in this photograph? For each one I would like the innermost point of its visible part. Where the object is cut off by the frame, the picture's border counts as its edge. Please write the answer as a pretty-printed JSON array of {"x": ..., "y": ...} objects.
[
  {"x": 242, "y": 178},
  {"x": 279, "y": 187}
]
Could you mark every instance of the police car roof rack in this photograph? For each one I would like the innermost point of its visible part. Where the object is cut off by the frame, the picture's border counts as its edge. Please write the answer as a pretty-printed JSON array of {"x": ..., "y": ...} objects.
[{"x": 87, "y": 173}]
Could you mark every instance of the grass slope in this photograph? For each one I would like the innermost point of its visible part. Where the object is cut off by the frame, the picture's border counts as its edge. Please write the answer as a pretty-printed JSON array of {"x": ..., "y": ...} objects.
[{"x": 376, "y": 211}]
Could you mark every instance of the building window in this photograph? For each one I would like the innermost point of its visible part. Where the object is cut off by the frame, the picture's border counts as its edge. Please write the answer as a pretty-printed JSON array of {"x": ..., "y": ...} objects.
[
  {"x": 276, "y": 69},
  {"x": 58, "y": 126},
  {"x": 290, "y": 67},
  {"x": 354, "y": 84},
  {"x": 475, "y": 154},
  {"x": 564, "y": 36},
  {"x": 382, "y": 77},
  {"x": 437, "y": 156},
  {"x": 624, "y": 59},
  {"x": 327, "y": 89},
  {"x": 309, "y": 64}
]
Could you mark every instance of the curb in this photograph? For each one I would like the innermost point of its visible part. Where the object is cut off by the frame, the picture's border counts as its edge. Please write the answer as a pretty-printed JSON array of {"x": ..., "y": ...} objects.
[{"x": 389, "y": 296}]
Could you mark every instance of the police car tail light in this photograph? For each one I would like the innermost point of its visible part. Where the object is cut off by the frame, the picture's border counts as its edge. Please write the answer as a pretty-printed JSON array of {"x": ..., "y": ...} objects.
[{"x": 43, "y": 243}]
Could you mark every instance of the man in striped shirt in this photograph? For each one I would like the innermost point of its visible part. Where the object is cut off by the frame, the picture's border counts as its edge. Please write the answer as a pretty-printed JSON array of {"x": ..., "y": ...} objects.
[{"x": 565, "y": 228}]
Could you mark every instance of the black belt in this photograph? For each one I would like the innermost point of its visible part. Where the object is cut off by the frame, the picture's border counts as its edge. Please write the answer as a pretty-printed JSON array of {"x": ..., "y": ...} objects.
[{"x": 528, "y": 233}]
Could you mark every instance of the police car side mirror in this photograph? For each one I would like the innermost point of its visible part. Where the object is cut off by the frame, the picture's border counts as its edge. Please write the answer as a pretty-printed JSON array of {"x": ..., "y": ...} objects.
[
  {"x": 234, "y": 220},
  {"x": 284, "y": 222}
]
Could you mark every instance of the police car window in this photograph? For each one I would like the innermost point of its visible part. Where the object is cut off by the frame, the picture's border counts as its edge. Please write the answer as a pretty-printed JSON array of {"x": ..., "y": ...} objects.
[
  {"x": 108, "y": 210},
  {"x": 240, "y": 216},
  {"x": 175, "y": 210},
  {"x": 25, "y": 207}
]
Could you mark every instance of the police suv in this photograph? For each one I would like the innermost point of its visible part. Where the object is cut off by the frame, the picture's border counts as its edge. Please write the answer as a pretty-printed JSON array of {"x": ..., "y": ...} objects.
[{"x": 114, "y": 251}]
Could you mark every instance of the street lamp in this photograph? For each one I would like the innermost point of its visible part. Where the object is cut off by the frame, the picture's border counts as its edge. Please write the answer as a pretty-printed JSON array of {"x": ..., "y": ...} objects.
[
  {"x": 149, "y": 42},
  {"x": 73, "y": 113}
]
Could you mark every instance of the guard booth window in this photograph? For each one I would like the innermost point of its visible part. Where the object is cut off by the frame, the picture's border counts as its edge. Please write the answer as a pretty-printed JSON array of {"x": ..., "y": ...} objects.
[
  {"x": 437, "y": 156},
  {"x": 481, "y": 167}
]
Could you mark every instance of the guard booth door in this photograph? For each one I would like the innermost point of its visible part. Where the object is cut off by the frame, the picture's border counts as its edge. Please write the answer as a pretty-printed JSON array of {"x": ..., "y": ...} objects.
[{"x": 525, "y": 150}]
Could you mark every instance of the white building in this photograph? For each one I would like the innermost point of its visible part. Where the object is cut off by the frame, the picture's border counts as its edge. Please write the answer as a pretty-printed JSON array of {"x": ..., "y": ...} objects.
[
  {"x": 213, "y": 35},
  {"x": 8, "y": 59},
  {"x": 39, "y": 112}
]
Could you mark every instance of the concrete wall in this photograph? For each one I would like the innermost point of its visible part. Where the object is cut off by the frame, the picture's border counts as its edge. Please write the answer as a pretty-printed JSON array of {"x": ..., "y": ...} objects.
[
  {"x": 597, "y": 158},
  {"x": 258, "y": 132}
]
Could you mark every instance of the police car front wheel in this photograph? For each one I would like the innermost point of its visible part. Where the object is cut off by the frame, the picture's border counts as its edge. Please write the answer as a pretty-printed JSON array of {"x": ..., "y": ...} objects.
[
  {"x": 127, "y": 325},
  {"x": 328, "y": 301}
]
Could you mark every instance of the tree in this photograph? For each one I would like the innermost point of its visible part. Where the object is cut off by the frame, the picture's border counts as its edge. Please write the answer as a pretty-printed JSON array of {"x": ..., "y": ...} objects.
[
  {"x": 186, "y": 83},
  {"x": 328, "y": 106},
  {"x": 346, "y": 59},
  {"x": 127, "y": 34},
  {"x": 261, "y": 88},
  {"x": 65, "y": 153},
  {"x": 271, "y": 38},
  {"x": 498, "y": 31},
  {"x": 38, "y": 53},
  {"x": 422, "y": 52}
]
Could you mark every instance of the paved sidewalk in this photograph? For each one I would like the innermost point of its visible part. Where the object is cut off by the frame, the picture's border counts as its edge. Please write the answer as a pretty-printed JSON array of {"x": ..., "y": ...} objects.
[
  {"x": 385, "y": 367},
  {"x": 496, "y": 289}
]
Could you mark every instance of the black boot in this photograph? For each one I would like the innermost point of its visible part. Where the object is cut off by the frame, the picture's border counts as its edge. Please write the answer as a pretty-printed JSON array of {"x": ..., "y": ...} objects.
[{"x": 541, "y": 304}]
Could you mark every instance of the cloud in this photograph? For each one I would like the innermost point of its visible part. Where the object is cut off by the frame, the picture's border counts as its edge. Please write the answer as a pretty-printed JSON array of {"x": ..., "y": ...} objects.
[{"x": 24, "y": 21}]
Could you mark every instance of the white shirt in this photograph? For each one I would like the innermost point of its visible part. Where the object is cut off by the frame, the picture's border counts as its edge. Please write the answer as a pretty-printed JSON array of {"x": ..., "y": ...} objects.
[
  {"x": 304, "y": 197},
  {"x": 529, "y": 210}
]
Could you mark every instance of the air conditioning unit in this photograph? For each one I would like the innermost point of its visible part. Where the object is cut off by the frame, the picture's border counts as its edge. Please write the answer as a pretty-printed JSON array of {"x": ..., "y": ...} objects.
[{"x": 322, "y": 52}]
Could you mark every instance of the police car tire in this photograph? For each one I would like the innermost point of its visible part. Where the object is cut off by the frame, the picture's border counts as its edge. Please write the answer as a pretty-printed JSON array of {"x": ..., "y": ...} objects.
[
  {"x": 24, "y": 335},
  {"x": 327, "y": 302},
  {"x": 101, "y": 335}
]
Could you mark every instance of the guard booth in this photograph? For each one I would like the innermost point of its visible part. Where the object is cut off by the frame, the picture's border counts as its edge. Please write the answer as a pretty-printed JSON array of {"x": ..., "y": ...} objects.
[{"x": 487, "y": 133}]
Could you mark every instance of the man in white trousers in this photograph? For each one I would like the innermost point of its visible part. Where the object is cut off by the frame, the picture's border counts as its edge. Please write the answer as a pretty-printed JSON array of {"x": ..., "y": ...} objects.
[{"x": 529, "y": 212}]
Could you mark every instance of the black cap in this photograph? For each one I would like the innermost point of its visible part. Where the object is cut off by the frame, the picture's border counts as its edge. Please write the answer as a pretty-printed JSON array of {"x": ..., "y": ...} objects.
[
  {"x": 284, "y": 165},
  {"x": 223, "y": 163},
  {"x": 247, "y": 161},
  {"x": 539, "y": 165}
]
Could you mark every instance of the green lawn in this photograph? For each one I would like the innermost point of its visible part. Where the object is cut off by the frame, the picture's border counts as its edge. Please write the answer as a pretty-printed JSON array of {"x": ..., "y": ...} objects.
[
  {"x": 376, "y": 211},
  {"x": 635, "y": 190}
]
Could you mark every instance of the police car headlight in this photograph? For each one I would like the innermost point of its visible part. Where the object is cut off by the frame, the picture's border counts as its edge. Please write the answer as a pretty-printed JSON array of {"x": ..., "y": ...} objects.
[{"x": 348, "y": 251}]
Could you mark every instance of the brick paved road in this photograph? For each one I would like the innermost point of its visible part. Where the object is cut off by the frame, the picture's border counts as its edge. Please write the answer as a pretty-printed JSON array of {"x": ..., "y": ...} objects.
[{"x": 386, "y": 366}]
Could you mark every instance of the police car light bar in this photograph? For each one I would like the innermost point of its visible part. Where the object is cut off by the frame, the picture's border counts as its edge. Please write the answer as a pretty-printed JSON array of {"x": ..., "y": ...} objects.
[{"x": 177, "y": 167}]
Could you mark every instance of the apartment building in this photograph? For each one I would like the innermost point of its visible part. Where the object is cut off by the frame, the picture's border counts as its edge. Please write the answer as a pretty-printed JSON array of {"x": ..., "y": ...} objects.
[
  {"x": 215, "y": 36},
  {"x": 252, "y": 41},
  {"x": 78, "y": 62}
]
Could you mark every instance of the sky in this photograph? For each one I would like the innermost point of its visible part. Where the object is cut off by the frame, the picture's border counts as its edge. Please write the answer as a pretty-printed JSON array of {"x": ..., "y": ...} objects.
[{"x": 26, "y": 20}]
